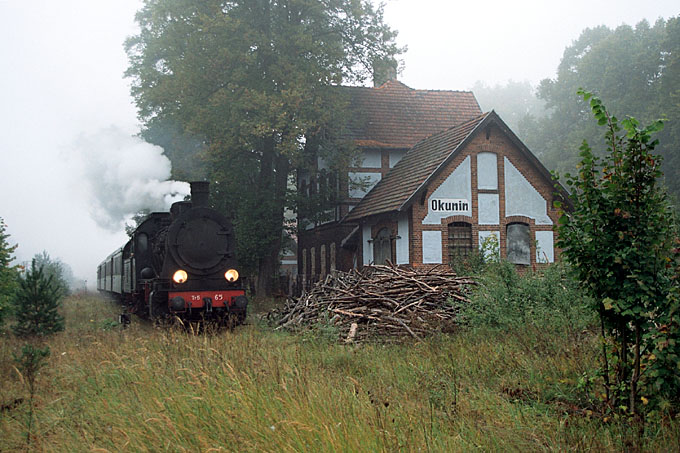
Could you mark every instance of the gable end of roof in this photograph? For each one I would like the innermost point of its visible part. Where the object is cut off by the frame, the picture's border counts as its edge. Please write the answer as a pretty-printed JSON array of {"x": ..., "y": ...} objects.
[
  {"x": 421, "y": 165},
  {"x": 484, "y": 121},
  {"x": 403, "y": 182}
]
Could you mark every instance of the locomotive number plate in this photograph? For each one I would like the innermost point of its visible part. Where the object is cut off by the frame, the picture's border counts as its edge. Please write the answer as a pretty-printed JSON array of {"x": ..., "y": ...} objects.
[{"x": 198, "y": 299}]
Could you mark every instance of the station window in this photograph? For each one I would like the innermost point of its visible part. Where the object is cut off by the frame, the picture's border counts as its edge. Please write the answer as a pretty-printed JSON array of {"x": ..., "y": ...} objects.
[
  {"x": 460, "y": 240},
  {"x": 382, "y": 247},
  {"x": 519, "y": 243}
]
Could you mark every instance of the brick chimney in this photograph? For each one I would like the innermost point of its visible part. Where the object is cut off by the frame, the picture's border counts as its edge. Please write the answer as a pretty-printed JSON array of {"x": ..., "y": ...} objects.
[{"x": 384, "y": 70}]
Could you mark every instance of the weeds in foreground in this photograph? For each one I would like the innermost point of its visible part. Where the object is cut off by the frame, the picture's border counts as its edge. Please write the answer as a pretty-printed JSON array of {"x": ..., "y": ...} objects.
[
  {"x": 546, "y": 300},
  {"x": 251, "y": 389},
  {"x": 28, "y": 365}
]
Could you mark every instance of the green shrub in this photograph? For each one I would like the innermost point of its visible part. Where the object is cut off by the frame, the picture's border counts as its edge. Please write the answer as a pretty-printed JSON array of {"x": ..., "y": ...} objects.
[
  {"x": 619, "y": 238},
  {"x": 478, "y": 259},
  {"x": 548, "y": 298}
]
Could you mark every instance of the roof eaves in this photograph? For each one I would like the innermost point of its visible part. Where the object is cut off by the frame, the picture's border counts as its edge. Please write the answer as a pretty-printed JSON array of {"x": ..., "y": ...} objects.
[
  {"x": 376, "y": 144},
  {"x": 348, "y": 238},
  {"x": 351, "y": 215}
]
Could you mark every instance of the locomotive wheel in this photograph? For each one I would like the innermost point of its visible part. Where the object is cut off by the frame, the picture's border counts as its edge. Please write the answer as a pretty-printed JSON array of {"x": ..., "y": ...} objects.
[
  {"x": 234, "y": 319},
  {"x": 158, "y": 307}
]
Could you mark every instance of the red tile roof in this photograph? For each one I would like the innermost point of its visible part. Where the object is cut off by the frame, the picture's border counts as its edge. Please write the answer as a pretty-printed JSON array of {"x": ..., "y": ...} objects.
[
  {"x": 419, "y": 164},
  {"x": 396, "y": 116},
  {"x": 422, "y": 163}
]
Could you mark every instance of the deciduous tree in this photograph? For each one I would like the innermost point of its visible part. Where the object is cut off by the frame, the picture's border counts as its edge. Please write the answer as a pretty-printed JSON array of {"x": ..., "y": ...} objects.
[
  {"x": 254, "y": 81},
  {"x": 515, "y": 102},
  {"x": 636, "y": 69},
  {"x": 60, "y": 272}
]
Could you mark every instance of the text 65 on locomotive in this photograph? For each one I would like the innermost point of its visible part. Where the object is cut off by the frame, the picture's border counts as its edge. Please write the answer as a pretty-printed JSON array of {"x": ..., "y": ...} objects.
[{"x": 180, "y": 263}]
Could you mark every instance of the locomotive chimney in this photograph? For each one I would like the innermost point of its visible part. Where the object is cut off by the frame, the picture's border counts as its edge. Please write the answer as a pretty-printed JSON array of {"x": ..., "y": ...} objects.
[{"x": 199, "y": 193}]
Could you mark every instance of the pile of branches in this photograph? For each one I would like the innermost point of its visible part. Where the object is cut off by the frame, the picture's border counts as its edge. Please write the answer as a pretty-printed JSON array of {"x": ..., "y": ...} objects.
[{"x": 379, "y": 301}]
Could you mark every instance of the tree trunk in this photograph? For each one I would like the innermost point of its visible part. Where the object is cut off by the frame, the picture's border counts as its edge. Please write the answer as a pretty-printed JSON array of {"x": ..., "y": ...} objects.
[
  {"x": 636, "y": 372},
  {"x": 273, "y": 181},
  {"x": 605, "y": 360}
]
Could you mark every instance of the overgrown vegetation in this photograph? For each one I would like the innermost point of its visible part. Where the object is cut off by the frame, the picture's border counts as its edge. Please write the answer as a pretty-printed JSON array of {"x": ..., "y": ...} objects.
[
  {"x": 28, "y": 365},
  {"x": 547, "y": 300},
  {"x": 251, "y": 389},
  {"x": 36, "y": 303},
  {"x": 618, "y": 238}
]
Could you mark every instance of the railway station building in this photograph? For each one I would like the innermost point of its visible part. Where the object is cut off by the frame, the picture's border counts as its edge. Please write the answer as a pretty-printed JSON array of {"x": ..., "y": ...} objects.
[{"x": 441, "y": 177}]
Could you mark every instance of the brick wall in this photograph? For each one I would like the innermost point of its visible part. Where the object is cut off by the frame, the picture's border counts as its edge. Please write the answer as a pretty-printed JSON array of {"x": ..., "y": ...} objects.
[
  {"x": 492, "y": 140},
  {"x": 495, "y": 141},
  {"x": 324, "y": 236}
]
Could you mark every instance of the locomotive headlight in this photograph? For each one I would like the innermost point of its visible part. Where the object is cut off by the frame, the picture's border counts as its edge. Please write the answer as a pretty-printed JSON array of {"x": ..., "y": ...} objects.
[
  {"x": 180, "y": 276},
  {"x": 231, "y": 275}
]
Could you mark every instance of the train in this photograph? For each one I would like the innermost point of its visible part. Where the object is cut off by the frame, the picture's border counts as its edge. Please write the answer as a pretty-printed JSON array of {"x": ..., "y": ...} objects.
[{"x": 178, "y": 265}]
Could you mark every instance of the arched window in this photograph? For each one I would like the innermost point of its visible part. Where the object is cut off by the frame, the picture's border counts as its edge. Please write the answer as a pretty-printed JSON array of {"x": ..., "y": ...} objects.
[
  {"x": 322, "y": 261},
  {"x": 519, "y": 243},
  {"x": 382, "y": 247},
  {"x": 460, "y": 240}
]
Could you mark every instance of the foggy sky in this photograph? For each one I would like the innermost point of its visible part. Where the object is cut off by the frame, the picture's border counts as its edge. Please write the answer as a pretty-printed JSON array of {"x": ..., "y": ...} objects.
[{"x": 67, "y": 117}]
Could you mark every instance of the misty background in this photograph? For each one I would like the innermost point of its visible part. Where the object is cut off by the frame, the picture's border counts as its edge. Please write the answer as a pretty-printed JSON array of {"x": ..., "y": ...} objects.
[{"x": 74, "y": 170}]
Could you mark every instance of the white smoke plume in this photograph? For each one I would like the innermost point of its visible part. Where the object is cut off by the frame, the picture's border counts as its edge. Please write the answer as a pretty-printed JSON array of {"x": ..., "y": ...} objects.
[{"x": 123, "y": 175}]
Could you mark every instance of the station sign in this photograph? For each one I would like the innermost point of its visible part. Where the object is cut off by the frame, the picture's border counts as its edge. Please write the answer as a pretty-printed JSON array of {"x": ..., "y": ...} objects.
[{"x": 449, "y": 205}]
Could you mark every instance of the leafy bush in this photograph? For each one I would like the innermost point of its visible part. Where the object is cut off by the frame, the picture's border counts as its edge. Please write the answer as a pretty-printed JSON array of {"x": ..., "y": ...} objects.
[
  {"x": 506, "y": 299},
  {"x": 477, "y": 260},
  {"x": 619, "y": 238}
]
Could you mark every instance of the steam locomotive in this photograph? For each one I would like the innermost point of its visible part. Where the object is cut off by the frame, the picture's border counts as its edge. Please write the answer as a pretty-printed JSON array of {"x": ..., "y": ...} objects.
[{"x": 180, "y": 263}]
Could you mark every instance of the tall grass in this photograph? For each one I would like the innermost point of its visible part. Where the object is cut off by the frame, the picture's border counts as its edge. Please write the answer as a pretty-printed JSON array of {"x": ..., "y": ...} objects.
[
  {"x": 251, "y": 389},
  {"x": 547, "y": 300}
]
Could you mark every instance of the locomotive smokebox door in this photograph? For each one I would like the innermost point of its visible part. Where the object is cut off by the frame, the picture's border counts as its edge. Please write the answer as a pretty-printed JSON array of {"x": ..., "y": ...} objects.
[{"x": 200, "y": 240}]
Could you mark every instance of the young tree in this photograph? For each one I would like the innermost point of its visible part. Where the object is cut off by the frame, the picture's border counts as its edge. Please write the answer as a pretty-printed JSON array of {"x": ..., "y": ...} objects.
[
  {"x": 36, "y": 304},
  {"x": 8, "y": 273},
  {"x": 618, "y": 239},
  {"x": 29, "y": 364},
  {"x": 255, "y": 80}
]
